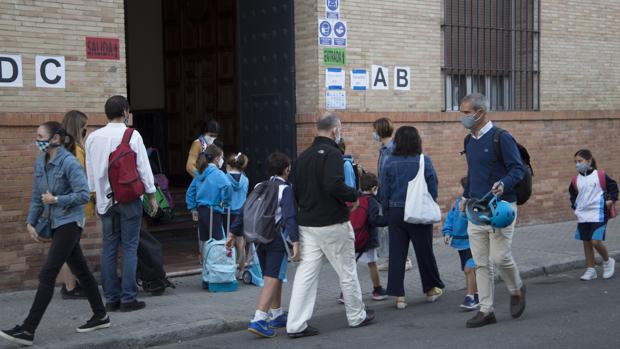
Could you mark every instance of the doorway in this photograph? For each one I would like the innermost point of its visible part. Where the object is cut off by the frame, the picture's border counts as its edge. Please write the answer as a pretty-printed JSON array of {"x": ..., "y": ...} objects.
[{"x": 191, "y": 60}]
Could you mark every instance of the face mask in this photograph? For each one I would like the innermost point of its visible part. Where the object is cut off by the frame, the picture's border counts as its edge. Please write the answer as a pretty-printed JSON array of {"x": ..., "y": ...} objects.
[
  {"x": 209, "y": 140},
  {"x": 376, "y": 137},
  {"x": 338, "y": 137},
  {"x": 84, "y": 133},
  {"x": 469, "y": 121},
  {"x": 220, "y": 163},
  {"x": 582, "y": 167},
  {"x": 43, "y": 145}
]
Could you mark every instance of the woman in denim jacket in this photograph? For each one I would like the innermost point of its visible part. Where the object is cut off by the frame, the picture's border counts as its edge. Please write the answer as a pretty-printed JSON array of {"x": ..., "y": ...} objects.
[
  {"x": 400, "y": 168},
  {"x": 60, "y": 190}
]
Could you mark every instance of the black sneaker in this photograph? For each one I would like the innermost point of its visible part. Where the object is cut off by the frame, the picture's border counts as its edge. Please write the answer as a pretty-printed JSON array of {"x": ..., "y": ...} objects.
[
  {"x": 309, "y": 331},
  {"x": 111, "y": 307},
  {"x": 370, "y": 316},
  {"x": 94, "y": 323},
  {"x": 18, "y": 335},
  {"x": 480, "y": 319},
  {"x": 517, "y": 303},
  {"x": 132, "y": 306},
  {"x": 75, "y": 293}
]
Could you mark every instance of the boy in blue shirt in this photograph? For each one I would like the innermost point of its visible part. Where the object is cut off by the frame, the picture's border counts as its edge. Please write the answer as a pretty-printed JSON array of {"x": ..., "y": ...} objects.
[
  {"x": 455, "y": 234},
  {"x": 273, "y": 256}
]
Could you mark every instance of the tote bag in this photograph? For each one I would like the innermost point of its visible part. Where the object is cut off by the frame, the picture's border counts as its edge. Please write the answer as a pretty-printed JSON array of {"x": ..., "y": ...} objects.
[{"x": 420, "y": 208}]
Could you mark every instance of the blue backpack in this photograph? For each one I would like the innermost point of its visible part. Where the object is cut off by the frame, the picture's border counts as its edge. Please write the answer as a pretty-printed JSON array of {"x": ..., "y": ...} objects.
[{"x": 219, "y": 267}]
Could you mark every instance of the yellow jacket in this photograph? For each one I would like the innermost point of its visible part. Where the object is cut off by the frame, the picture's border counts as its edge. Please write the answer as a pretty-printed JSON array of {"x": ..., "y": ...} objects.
[
  {"x": 192, "y": 158},
  {"x": 89, "y": 208}
]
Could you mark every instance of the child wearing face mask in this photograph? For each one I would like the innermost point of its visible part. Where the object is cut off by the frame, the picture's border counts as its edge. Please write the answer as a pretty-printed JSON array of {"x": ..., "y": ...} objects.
[
  {"x": 593, "y": 195},
  {"x": 209, "y": 196}
]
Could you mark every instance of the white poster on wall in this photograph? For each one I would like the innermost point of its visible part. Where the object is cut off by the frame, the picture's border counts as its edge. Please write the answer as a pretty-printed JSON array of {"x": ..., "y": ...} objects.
[
  {"x": 334, "y": 78},
  {"x": 340, "y": 33},
  {"x": 379, "y": 77},
  {"x": 50, "y": 71},
  {"x": 402, "y": 78},
  {"x": 332, "y": 9},
  {"x": 359, "y": 79},
  {"x": 325, "y": 33},
  {"x": 11, "y": 70},
  {"x": 335, "y": 99}
]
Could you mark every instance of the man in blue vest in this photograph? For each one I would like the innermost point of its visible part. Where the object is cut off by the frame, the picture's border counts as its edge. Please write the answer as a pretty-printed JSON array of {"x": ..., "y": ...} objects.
[{"x": 491, "y": 246}]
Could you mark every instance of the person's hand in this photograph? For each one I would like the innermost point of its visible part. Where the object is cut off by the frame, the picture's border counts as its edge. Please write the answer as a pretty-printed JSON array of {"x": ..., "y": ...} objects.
[
  {"x": 34, "y": 235},
  {"x": 296, "y": 257},
  {"x": 195, "y": 215},
  {"x": 498, "y": 188},
  {"x": 48, "y": 198},
  {"x": 609, "y": 203},
  {"x": 354, "y": 205},
  {"x": 447, "y": 239},
  {"x": 154, "y": 205},
  {"x": 230, "y": 241},
  {"x": 462, "y": 204}
]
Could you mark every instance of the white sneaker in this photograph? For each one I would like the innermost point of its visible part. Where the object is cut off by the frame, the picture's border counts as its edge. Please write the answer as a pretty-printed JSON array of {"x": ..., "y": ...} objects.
[
  {"x": 408, "y": 264},
  {"x": 609, "y": 268},
  {"x": 590, "y": 274}
]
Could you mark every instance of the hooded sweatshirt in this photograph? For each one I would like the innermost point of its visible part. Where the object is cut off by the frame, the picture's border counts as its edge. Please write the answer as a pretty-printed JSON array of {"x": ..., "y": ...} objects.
[
  {"x": 239, "y": 183},
  {"x": 209, "y": 188}
]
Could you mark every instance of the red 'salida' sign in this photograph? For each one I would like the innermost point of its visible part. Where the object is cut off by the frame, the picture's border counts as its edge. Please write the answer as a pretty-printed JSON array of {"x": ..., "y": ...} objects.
[{"x": 102, "y": 48}]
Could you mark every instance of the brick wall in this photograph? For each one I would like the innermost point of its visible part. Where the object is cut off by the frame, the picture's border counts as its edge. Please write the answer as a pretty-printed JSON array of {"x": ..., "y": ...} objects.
[
  {"x": 580, "y": 46},
  {"x": 50, "y": 28},
  {"x": 551, "y": 144}
]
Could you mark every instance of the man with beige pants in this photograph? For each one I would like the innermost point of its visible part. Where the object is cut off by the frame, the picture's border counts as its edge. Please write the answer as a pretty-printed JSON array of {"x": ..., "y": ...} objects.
[
  {"x": 499, "y": 173},
  {"x": 325, "y": 232}
]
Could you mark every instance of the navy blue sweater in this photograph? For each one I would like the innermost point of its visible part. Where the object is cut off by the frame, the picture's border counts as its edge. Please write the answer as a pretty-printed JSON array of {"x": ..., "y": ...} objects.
[{"x": 483, "y": 170}]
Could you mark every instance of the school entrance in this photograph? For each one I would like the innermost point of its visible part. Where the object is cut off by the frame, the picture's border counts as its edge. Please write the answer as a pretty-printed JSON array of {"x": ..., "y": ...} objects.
[{"x": 191, "y": 60}]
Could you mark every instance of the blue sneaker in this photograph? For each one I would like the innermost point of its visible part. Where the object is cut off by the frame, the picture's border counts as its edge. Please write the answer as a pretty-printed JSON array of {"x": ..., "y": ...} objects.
[
  {"x": 469, "y": 303},
  {"x": 261, "y": 329},
  {"x": 280, "y": 321}
]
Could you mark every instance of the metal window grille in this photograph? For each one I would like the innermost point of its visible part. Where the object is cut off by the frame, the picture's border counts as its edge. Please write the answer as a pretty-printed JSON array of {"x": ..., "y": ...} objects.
[{"x": 492, "y": 47}]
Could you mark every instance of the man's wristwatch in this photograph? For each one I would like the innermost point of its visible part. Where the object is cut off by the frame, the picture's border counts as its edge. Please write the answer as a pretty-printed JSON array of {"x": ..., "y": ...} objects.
[{"x": 55, "y": 199}]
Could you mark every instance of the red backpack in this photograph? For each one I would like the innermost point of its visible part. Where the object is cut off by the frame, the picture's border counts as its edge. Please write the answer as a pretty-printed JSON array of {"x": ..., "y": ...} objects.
[
  {"x": 611, "y": 211},
  {"x": 359, "y": 221},
  {"x": 123, "y": 172}
]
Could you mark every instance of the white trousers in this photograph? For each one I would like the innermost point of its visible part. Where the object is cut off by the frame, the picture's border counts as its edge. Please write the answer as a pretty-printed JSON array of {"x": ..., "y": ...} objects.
[
  {"x": 493, "y": 248},
  {"x": 336, "y": 244}
]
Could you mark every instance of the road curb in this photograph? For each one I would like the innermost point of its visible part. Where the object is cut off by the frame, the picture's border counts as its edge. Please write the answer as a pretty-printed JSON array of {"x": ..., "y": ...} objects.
[
  {"x": 562, "y": 267},
  {"x": 166, "y": 335}
]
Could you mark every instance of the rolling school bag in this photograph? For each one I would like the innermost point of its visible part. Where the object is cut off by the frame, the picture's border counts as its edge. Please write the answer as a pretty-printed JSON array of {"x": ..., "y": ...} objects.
[
  {"x": 150, "y": 274},
  {"x": 219, "y": 264}
]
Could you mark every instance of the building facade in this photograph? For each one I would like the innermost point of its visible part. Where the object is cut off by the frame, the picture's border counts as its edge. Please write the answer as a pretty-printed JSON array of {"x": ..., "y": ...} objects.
[{"x": 550, "y": 67}]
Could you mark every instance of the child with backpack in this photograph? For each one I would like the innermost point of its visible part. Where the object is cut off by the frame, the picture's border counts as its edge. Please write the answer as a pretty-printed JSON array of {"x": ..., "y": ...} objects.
[
  {"x": 235, "y": 165},
  {"x": 272, "y": 253},
  {"x": 350, "y": 167},
  {"x": 593, "y": 195},
  {"x": 365, "y": 218},
  {"x": 455, "y": 234},
  {"x": 209, "y": 196}
]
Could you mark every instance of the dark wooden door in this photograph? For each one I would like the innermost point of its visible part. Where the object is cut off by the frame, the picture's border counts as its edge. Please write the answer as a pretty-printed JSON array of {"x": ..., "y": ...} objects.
[
  {"x": 266, "y": 80},
  {"x": 199, "y": 46}
]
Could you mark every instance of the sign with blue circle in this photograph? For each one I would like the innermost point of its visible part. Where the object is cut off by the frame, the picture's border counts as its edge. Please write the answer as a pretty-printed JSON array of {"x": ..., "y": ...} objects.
[
  {"x": 332, "y": 9},
  {"x": 325, "y": 33},
  {"x": 340, "y": 33}
]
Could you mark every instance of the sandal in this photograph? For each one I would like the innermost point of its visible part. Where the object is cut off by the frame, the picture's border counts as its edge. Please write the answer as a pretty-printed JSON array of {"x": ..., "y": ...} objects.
[{"x": 401, "y": 303}]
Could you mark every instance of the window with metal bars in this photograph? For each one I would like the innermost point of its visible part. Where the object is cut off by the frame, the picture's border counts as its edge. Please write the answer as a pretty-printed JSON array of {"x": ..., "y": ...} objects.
[{"x": 492, "y": 47}]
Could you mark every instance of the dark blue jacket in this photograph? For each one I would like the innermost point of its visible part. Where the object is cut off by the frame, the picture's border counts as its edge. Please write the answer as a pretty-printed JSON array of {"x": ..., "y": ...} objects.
[
  {"x": 483, "y": 169},
  {"x": 398, "y": 171},
  {"x": 375, "y": 220}
]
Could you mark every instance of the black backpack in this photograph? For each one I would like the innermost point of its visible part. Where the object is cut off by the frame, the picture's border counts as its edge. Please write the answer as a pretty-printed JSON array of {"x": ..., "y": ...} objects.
[
  {"x": 259, "y": 211},
  {"x": 523, "y": 189},
  {"x": 150, "y": 274}
]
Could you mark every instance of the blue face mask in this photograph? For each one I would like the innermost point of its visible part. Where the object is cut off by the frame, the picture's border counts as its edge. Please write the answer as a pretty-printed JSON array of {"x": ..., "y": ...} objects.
[
  {"x": 582, "y": 168},
  {"x": 376, "y": 137},
  {"x": 43, "y": 145}
]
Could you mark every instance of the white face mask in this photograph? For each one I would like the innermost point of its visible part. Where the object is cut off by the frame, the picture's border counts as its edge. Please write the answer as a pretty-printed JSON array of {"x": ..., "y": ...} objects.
[{"x": 220, "y": 163}]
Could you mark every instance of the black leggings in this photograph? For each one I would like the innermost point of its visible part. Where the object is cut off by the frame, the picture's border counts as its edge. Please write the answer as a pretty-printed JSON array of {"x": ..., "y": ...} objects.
[{"x": 65, "y": 248}]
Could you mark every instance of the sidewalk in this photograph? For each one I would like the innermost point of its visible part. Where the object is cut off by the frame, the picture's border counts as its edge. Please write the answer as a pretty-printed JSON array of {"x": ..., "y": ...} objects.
[{"x": 189, "y": 312}]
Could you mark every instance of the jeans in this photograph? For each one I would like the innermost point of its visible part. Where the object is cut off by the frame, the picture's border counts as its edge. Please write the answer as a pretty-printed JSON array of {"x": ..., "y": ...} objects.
[
  {"x": 121, "y": 226},
  {"x": 65, "y": 247},
  {"x": 421, "y": 237}
]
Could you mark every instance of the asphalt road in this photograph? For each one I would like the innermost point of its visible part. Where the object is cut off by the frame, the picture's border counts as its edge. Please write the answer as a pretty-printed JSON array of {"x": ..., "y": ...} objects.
[{"x": 562, "y": 312}]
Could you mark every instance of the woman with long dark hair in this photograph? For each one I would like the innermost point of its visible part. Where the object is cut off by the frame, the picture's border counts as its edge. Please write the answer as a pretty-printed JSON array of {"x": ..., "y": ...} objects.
[
  {"x": 59, "y": 192},
  {"x": 400, "y": 168}
]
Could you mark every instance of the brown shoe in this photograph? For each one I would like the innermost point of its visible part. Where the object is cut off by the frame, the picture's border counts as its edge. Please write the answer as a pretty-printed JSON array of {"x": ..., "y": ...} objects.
[
  {"x": 481, "y": 319},
  {"x": 517, "y": 303}
]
